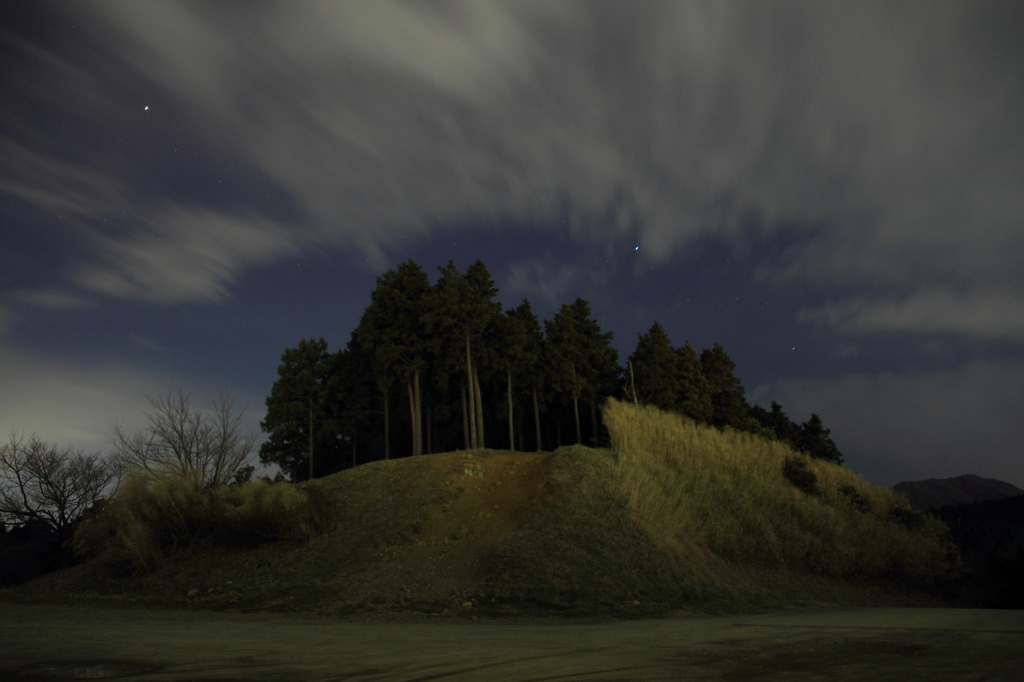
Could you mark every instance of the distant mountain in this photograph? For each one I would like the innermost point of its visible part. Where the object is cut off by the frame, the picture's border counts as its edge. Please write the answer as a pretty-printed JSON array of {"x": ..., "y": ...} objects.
[{"x": 943, "y": 492}]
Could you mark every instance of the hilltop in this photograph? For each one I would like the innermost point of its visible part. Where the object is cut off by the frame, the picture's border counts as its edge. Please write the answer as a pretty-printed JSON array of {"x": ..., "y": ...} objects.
[
  {"x": 675, "y": 516},
  {"x": 943, "y": 492}
]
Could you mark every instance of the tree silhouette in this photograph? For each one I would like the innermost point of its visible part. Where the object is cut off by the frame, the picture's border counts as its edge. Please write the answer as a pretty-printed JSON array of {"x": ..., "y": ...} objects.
[
  {"x": 814, "y": 439},
  {"x": 656, "y": 370},
  {"x": 695, "y": 396},
  {"x": 529, "y": 357},
  {"x": 582, "y": 360},
  {"x": 206, "y": 445},
  {"x": 300, "y": 420},
  {"x": 44, "y": 483},
  {"x": 728, "y": 397},
  {"x": 392, "y": 327},
  {"x": 460, "y": 312}
]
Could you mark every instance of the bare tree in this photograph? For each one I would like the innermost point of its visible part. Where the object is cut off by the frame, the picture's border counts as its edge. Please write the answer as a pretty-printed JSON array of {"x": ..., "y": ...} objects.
[
  {"x": 40, "y": 481},
  {"x": 208, "y": 445}
]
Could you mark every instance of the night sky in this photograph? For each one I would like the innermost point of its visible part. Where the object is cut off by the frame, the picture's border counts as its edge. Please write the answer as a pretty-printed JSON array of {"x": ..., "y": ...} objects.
[{"x": 833, "y": 191}]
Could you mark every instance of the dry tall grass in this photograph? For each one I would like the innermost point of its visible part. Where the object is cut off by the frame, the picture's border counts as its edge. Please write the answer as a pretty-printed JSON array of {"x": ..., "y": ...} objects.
[
  {"x": 711, "y": 496},
  {"x": 156, "y": 513}
]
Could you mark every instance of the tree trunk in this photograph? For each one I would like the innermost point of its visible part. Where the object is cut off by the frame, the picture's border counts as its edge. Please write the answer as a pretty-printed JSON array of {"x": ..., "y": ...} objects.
[
  {"x": 576, "y": 414},
  {"x": 479, "y": 410},
  {"x": 593, "y": 421},
  {"x": 511, "y": 416},
  {"x": 536, "y": 418},
  {"x": 521, "y": 430},
  {"x": 465, "y": 416},
  {"x": 430, "y": 433},
  {"x": 471, "y": 395},
  {"x": 311, "y": 437},
  {"x": 419, "y": 413},
  {"x": 387, "y": 427},
  {"x": 415, "y": 419}
]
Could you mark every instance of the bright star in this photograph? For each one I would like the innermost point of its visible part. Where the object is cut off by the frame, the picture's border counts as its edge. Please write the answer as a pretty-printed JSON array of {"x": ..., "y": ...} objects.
[
  {"x": 145, "y": 108},
  {"x": 636, "y": 248}
]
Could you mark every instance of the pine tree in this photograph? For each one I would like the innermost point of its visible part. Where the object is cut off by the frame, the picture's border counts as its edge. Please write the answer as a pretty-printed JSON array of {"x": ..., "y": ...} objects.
[
  {"x": 728, "y": 397},
  {"x": 393, "y": 329},
  {"x": 656, "y": 370},
  {"x": 460, "y": 312},
  {"x": 815, "y": 440},
  {"x": 582, "y": 359},
  {"x": 694, "y": 399},
  {"x": 299, "y": 420},
  {"x": 531, "y": 360}
]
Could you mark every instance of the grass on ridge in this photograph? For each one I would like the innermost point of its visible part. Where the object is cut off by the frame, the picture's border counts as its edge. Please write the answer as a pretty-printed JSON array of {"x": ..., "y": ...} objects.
[{"x": 710, "y": 495}]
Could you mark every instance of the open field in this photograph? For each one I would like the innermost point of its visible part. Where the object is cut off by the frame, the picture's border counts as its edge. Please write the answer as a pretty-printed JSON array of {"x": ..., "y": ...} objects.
[{"x": 47, "y": 642}]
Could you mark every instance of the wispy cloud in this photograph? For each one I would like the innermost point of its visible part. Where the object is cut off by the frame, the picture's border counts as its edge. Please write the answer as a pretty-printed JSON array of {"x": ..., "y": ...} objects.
[
  {"x": 989, "y": 315},
  {"x": 549, "y": 282},
  {"x": 875, "y": 125},
  {"x": 183, "y": 255},
  {"x": 51, "y": 299}
]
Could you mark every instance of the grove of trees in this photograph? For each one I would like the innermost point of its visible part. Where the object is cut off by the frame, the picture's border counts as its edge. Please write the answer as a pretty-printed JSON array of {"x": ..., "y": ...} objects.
[{"x": 433, "y": 367}]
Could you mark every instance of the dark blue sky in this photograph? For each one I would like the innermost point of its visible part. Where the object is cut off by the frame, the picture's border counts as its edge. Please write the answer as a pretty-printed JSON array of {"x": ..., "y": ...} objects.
[{"x": 833, "y": 191}]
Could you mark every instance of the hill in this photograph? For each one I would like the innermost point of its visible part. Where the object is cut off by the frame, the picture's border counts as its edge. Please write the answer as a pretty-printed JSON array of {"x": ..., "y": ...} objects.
[
  {"x": 675, "y": 516},
  {"x": 943, "y": 492}
]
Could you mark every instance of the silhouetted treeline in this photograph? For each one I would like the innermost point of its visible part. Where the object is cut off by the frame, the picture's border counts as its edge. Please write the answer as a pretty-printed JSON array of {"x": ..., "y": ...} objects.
[
  {"x": 990, "y": 536},
  {"x": 32, "y": 549},
  {"x": 438, "y": 366}
]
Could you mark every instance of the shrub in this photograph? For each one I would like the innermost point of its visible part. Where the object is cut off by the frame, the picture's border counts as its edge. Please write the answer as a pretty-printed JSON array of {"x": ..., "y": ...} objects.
[
  {"x": 796, "y": 472},
  {"x": 907, "y": 517},
  {"x": 155, "y": 514},
  {"x": 857, "y": 501}
]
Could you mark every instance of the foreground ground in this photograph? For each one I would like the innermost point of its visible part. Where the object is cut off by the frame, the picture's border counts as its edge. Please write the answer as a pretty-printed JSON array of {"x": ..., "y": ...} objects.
[{"x": 47, "y": 642}]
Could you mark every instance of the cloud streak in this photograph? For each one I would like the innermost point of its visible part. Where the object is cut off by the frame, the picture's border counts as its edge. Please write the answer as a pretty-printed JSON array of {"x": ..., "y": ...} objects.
[
  {"x": 987, "y": 315},
  {"x": 867, "y": 127},
  {"x": 876, "y": 147}
]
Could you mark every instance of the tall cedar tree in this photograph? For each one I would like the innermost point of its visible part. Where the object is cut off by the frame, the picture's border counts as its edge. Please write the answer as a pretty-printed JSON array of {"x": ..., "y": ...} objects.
[
  {"x": 728, "y": 398},
  {"x": 460, "y": 312},
  {"x": 530, "y": 353},
  {"x": 300, "y": 416},
  {"x": 582, "y": 359},
  {"x": 355, "y": 389},
  {"x": 695, "y": 391},
  {"x": 392, "y": 326},
  {"x": 321, "y": 406},
  {"x": 656, "y": 370}
]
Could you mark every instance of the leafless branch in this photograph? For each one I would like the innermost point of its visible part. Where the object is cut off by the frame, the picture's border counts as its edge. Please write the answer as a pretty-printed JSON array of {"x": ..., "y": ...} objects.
[
  {"x": 40, "y": 481},
  {"x": 209, "y": 445}
]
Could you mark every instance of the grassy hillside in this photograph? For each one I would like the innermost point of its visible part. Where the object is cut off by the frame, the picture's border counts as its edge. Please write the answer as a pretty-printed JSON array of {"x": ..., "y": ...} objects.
[
  {"x": 718, "y": 500},
  {"x": 674, "y": 516}
]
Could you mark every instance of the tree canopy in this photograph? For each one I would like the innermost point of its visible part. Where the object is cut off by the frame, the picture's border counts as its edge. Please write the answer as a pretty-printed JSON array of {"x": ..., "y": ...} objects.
[{"x": 437, "y": 366}]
